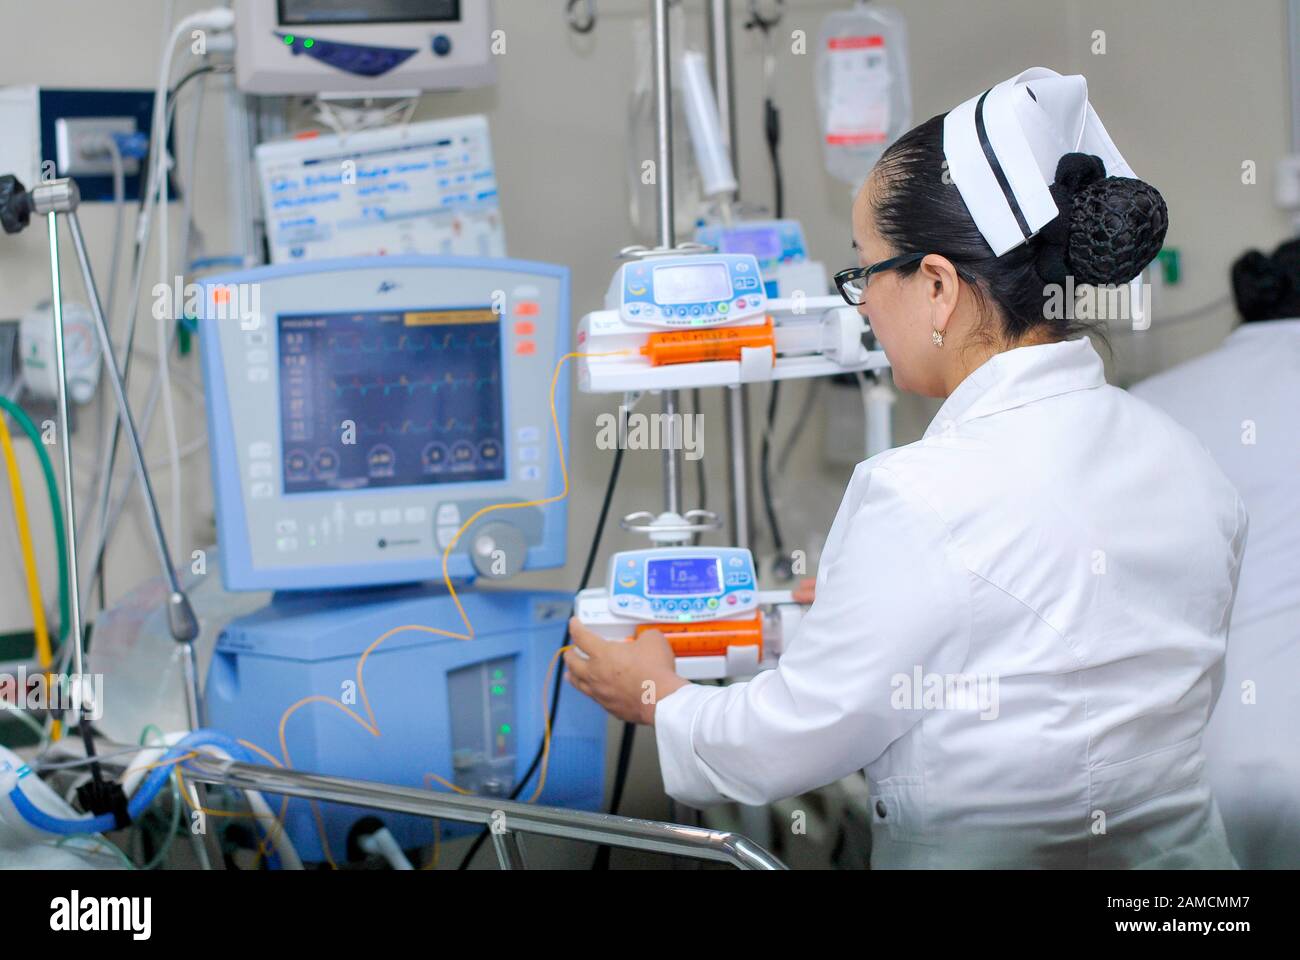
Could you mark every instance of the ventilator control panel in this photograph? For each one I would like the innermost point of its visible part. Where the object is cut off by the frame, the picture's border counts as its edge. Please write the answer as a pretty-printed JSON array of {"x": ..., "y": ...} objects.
[{"x": 362, "y": 411}]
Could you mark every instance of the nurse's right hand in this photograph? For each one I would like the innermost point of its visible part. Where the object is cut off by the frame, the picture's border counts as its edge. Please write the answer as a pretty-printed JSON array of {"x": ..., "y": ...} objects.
[{"x": 806, "y": 592}]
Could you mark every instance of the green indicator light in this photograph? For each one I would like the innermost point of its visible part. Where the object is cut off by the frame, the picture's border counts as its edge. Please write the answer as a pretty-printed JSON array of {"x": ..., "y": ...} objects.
[
  {"x": 505, "y": 728},
  {"x": 309, "y": 43},
  {"x": 498, "y": 689},
  {"x": 498, "y": 674},
  {"x": 288, "y": 39}
]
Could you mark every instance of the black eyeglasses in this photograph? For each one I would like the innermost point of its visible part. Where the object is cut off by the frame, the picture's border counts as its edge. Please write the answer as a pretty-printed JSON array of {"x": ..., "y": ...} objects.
[{"x": 852, "y": 283}]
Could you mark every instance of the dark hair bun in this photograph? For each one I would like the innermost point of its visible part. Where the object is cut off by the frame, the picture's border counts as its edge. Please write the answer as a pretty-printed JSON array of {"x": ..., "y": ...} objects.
[
  {"x": 1261, "y": 286},
  {"x": 1117, "y": 226},
  {"x": 1109, "y": 229}
]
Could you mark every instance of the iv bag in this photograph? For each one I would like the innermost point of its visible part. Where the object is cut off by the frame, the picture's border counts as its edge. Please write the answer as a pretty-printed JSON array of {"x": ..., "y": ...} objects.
[
  {"x": 643, "y": 197},
  {"x": 864, "y": 97}
]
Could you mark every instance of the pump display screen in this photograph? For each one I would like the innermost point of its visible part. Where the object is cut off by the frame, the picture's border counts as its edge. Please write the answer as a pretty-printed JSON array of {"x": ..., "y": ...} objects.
[
  {"x": 301, "y": 13},
  {"x": 682, "y": 576},
  {"x": 763, "y": 244},
  {"x": 696, "y": 283},
  {"x": 388, "y": 399}
]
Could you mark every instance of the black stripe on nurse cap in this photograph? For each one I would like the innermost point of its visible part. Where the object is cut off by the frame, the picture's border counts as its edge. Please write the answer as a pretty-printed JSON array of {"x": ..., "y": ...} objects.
[
  {"x": 1003, "y": 147},
  {"x": 996, "y": 167}
]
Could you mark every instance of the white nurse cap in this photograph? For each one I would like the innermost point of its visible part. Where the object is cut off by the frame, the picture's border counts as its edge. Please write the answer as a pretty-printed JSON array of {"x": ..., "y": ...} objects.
[{"x": 1003, "y": 147}]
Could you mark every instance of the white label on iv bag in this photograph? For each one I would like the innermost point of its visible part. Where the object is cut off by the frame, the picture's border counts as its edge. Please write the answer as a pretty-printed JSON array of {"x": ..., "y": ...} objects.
[{"x": 859, "y": 91}]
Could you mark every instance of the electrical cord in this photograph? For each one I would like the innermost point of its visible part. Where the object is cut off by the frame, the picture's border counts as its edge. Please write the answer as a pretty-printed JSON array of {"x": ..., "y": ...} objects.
[
  {"x": 113, "y": 513},
  {"x": 119, "y": 217},
  {"x": 177, "y": 87},
  {"x": 701, "y": 475},
  {"x": 588, "y": 566},
  {"x": 119, "y": 222},
  {"x": 625, "y": 744},
  {"x": 781, "y": 562},
  {"x": 772, "y": 135},
  {"x": 809, "y": 401},
  {"x": 190, "y": 230},
  {"x": 148, "y": 193},
  {"x": 167, "y": 319}
]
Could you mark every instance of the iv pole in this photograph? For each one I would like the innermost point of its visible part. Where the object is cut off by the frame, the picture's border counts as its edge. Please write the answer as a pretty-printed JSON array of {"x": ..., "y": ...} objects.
[
  {"x": 50, "y": 199},
  {"x": 673, "y": 525},
  {"x": 737, "y": 397},
  {"x": 672, "y": 454}
]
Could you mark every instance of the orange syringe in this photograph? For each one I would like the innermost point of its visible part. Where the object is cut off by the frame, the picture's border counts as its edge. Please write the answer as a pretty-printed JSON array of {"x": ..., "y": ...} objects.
[
  {"x": 710, "y": 638},
  {"x": 717, "y": 343}
]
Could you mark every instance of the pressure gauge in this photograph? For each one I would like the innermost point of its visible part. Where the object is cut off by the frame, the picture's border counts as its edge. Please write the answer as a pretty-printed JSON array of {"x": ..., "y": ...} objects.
[{"x": 81, "y": 352}]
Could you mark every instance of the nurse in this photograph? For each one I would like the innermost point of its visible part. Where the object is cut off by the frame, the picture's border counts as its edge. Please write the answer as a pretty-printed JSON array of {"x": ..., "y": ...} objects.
[{"x": 1020, "y": 618}]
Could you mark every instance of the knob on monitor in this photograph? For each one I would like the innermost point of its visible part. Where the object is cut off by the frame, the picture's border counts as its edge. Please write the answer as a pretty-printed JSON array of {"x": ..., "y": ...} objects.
[{"x": 498, "y": 550}]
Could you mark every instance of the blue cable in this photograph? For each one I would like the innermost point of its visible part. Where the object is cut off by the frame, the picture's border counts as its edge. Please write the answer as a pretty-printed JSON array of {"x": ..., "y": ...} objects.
[
  {"x": 132, "y": 145},
  {"x": 141, "y": 800}
]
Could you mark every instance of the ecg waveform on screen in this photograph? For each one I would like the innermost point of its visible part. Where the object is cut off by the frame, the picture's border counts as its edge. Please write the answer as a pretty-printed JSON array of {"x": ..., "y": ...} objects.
[
  {"x": 359, "y": 387},
  {"x": 394, "y": 398},
  {"x": 412, "y": 344},
  {"x": 410, "y": 428}
]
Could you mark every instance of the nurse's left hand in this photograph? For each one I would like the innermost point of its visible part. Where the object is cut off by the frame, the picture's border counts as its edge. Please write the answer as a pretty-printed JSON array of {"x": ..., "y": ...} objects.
[{"x": 626, "y": 678}]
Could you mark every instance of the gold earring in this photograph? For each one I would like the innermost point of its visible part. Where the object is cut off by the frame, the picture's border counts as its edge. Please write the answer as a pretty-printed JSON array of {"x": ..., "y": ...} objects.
[{"x": 937, "y": 337}]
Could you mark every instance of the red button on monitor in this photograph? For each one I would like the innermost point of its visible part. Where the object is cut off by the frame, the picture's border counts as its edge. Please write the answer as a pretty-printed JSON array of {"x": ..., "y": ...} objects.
[
  {"x": 527, "y": 308},
  {"x": 525, "y": 348},
  {"x": 525, "y": 328}
]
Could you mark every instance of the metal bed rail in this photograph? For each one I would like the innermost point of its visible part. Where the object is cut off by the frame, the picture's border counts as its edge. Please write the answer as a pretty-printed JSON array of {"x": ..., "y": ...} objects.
[{"x": 505, "y": 819}]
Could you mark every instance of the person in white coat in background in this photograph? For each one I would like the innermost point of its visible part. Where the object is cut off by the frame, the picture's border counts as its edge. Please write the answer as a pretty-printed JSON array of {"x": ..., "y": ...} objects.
[
  {"x": 1243, "y": 402},
  {"x": 1020, "y": 618}
]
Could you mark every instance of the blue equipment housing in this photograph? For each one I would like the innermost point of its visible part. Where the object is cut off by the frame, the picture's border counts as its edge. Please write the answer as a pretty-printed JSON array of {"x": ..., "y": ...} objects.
[
  {"x": 470, "y": 711},
  {"x": 441, "y": 369}
]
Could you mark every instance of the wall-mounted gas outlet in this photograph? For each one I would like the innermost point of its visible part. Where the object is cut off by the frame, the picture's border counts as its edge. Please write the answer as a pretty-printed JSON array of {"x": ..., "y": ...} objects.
[
  {"x": 80, "y": 145},
  {"x": 47, "y": 133}
]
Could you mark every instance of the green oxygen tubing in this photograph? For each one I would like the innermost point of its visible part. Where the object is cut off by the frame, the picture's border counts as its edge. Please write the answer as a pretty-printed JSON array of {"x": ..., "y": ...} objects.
[{"x": 52, "y": 486}]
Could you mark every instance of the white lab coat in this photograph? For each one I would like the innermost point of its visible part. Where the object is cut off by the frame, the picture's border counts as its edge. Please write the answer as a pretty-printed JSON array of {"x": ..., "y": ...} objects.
[
  {"x": 1243, "y": 402},
  {"x": 1052, "y": 538}
]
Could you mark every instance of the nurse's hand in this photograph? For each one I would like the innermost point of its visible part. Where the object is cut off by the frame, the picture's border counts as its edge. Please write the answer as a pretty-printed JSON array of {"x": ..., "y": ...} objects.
[
  {"x": 626, "y": 678},
  {"x": 806, "y": 592}
]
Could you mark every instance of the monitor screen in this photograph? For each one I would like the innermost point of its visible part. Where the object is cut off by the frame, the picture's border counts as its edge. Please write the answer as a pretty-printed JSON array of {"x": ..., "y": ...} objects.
[
  {"x": 306, "y": 13},
  {"x": 682, "y": 576},
  {"x": 764, "y": 243},
  {"x": 389, "y": 399},
  {"x": 696, "y": 283}
]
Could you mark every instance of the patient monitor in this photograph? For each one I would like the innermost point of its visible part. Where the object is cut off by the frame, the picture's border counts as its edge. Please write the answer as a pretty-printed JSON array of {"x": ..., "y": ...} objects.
[{"x": 362, "y": 46}]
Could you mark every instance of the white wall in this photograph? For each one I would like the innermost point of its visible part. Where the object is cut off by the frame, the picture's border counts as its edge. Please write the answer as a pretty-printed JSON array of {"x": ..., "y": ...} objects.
[{"x": 1189, "y": 89}]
